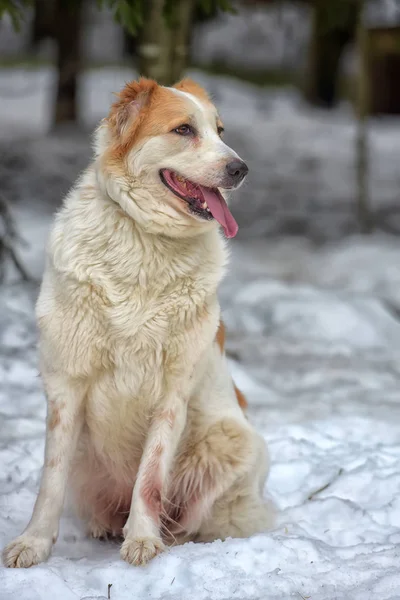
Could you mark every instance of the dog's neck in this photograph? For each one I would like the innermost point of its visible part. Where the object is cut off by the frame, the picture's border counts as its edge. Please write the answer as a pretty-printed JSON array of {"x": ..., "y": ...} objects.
[
  {"x": 141, "y": 198},
  {"x": 120, "y": 246}
]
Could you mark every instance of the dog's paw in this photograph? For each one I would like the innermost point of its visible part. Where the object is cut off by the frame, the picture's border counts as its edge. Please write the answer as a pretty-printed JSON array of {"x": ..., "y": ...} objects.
[
  {"x": 138, "y": 551},
  {"x": 26, "y": 551}
]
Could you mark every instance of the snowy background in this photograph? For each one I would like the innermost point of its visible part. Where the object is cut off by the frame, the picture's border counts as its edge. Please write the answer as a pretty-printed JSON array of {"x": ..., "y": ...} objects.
[{"x": 313, "y": 339}]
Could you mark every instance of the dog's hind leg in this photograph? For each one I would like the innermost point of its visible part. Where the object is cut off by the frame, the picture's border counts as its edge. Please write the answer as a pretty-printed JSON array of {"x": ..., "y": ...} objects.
[
  {"x": 239, "y": 513},
  {"x": 211, "y": 465}
]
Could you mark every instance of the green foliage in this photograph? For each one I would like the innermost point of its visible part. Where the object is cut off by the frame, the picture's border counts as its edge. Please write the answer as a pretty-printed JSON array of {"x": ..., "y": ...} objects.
[
  {"x": 129, "y": 13},
  {"x": 208, "y": 7},
  {"x": 15, "y": 9}
]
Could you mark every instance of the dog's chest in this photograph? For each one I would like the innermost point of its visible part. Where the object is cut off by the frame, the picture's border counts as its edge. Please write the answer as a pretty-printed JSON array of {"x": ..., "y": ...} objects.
[
  {"x": 148, "y": 344},
  {"x": 144, "y": 322},
  {"x": 158, "y": 318},
  {"x": 147, "y": 333}
]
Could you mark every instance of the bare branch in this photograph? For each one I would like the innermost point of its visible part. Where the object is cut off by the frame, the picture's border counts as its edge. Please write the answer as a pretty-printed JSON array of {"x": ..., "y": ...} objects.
[{"x": 8, "y": 238}]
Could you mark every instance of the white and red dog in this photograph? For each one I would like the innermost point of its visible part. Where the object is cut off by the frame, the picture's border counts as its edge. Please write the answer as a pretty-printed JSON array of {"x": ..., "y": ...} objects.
[{"x": 145, "y": 426}]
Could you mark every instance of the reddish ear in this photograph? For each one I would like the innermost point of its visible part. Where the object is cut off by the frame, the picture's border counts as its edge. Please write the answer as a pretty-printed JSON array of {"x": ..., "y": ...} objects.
[{"x": 126, "y": 111}]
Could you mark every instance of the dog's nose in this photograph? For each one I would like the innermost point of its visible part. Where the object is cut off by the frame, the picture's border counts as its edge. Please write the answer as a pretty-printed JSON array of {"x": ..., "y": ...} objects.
[{"x": 237, "y": 169}]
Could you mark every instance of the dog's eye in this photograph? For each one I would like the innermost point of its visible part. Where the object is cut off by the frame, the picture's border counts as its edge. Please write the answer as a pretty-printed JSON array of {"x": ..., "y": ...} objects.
[
  {"x": 184, "y": 129},
  {"x": 220, "y": 130}
]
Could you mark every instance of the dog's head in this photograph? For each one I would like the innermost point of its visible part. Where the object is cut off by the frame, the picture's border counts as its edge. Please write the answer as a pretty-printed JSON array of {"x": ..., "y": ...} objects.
[{"x": 162, "y": 158}]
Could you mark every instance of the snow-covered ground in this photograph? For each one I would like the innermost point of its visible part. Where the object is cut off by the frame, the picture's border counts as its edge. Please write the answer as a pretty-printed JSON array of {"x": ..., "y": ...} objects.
[
  {"x": 314, "y": 338},
  {"x": 314, "y": 342}
]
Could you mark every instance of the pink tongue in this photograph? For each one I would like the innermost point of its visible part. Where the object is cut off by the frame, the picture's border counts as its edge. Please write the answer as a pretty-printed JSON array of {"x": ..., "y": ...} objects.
[{"x": 220, "y": 211}]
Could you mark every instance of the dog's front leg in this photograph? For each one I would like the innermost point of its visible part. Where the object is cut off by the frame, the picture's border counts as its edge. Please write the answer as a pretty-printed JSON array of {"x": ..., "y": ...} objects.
[
  {"x": 142, "y": 530},
  {"x": 64, "y": 421}
]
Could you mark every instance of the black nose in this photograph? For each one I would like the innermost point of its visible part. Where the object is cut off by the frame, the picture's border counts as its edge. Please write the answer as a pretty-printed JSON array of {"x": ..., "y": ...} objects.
[{"x": 237, "y": 169}]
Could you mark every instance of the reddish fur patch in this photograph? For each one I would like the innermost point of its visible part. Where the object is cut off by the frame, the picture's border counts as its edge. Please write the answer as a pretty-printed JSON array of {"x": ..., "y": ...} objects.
[
  {"x": 156, "y": 110},
  {"x": 151, "y": 488},
  {"x": 54, "y": 418},
  {"x": 191, "y": 87},
  {"x": 220, "y": 338},
  {"x": 240, "y": 398},
  {"x": 168, "y": 416}
]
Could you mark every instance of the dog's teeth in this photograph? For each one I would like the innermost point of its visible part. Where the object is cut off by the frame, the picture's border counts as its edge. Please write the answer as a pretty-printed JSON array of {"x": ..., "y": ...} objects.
[
  {"x": 204, "y": 205},
  {"x": 179, "y": 178}
]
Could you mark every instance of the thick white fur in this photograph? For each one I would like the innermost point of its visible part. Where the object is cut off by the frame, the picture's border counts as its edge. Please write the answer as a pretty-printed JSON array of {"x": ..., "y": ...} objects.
[{"x": 143, "y": 422}]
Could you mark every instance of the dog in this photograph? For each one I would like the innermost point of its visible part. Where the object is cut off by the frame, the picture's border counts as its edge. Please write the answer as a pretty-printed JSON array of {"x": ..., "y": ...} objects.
[{"x": 145, "y": 427}]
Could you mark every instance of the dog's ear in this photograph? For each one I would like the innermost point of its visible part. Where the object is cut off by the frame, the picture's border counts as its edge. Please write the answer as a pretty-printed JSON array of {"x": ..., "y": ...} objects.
[{"x": 129, "y": 109}]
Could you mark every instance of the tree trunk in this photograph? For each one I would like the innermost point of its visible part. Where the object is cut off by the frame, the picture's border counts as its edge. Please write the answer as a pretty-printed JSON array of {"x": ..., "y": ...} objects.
[
  {"x": 327, "y": 44},
  {"x": 362, "y": 150},
  {"x": 43, "y": 22},
  {"x": 164, "y": 45},
  {"x": 67, "y": 33},
  {"x": 130, "y": 45},
  {"x": 180, "y": 32}
]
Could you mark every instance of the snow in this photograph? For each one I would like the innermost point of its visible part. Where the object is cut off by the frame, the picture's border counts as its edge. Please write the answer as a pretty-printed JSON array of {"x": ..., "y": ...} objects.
[
  {"x": 318, "y": 361},
  {"x": 313, "y": 341}
]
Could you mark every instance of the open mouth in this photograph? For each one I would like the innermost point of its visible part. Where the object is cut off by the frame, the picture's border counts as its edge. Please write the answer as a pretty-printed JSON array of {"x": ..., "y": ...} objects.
[{"x": 203, "y": 202}]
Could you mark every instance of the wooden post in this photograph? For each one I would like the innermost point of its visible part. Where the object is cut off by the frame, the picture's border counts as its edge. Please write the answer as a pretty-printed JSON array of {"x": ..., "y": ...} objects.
[{"x": 333, "y": 27}]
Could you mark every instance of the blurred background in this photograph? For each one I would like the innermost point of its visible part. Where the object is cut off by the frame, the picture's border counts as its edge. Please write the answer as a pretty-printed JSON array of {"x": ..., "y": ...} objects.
[
  {"x": 309, "y": 92},
  {"x": 294, "y": 81}
]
